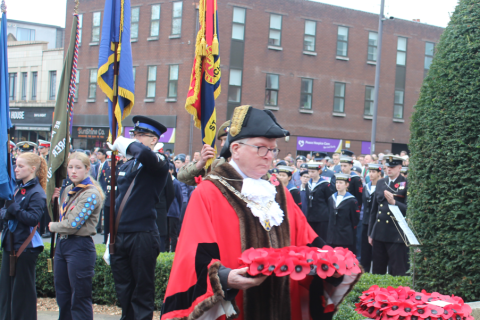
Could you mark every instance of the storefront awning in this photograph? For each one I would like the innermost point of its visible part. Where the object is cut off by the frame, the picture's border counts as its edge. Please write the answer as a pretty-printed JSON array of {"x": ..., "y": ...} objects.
[{"x": 32, "y": 127}]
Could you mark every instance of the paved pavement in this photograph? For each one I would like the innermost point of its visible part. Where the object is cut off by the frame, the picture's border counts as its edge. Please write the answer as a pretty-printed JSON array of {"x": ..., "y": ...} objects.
[{"x": 53, "y": 315}]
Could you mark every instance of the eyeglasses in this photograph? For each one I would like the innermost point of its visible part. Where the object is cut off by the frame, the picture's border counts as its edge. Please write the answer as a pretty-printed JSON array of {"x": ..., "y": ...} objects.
[
  {"x": 263, "y": 151},
  {"x": 141, "y": 134}
]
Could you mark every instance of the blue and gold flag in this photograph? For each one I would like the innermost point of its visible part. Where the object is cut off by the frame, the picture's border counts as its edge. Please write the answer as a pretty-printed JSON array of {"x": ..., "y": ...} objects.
[
  {"x": 205, "y": 79},
  {"x": 116, "y": 29}
]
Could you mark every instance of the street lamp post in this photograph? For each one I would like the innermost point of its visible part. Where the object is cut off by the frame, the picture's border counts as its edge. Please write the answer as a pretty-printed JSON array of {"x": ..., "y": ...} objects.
[{"x": 377, "y": 78}]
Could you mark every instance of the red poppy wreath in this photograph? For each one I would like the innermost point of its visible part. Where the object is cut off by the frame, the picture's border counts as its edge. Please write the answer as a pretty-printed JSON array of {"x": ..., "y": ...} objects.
[
  {"x": 298, "y": 262},
  {"x": 404, "y": 303}
]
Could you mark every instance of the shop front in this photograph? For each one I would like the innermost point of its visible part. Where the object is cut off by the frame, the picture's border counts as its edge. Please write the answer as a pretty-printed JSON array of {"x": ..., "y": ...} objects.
[
  {"x": 88, "y": 138},
  {"x": 309, "y": 145},
  {"x": 31, "y": 123}
]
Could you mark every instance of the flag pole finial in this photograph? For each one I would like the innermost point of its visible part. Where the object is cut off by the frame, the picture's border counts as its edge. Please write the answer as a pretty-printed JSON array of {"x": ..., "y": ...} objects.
[
  {"x": 77, "y": 3},
  {"x": 4, "y": 7}
]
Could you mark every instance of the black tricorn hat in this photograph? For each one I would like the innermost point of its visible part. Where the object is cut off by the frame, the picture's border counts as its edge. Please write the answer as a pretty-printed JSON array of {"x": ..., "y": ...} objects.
[
  {"x": 145, "y": 124},
  {"x": 248, "y": 122}
]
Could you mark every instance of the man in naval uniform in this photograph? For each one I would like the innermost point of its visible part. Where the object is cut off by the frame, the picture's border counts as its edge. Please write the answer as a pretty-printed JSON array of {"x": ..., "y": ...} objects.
[
  {"x": 232, "y": 210},
  {"x": 26, "y": 146},
  {"x": 384, "y": 233},
  {"x": 137, "y": 243},
  {"x": 356, "y": 185},
  {"x": 44, "y": 148}
]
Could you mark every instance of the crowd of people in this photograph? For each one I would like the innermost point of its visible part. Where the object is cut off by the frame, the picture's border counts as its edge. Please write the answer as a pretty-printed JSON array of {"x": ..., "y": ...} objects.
[{"x": 343, "y": 201}]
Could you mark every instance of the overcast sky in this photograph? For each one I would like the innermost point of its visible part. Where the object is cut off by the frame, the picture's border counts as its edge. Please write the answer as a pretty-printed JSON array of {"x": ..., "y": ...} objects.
[{"x": 435, "y": 12}]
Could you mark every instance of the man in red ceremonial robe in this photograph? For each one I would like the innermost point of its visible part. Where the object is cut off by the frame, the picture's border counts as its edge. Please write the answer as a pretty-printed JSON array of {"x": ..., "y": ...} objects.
[{"x": 232, "y": 210}]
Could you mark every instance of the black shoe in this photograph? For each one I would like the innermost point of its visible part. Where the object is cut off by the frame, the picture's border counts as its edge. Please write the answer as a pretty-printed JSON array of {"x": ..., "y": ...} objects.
[{"x": 46, "y": 235}]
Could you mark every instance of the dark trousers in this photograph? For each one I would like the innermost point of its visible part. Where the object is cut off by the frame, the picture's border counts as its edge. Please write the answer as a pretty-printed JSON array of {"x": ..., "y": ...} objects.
[
  {"x": 173, "y": 232},
  {"x": 133, "y": 267},
  {"x": 73, "y": 274},
  {"x": 106, "y": 223},
  {"x": 393, "y": 255},
  {"x": 358, "y": 239},
  {"x": 320, "y": 228},
  {"x": 44, "y": 221},
  {"x": 366, "y": 256},
  {"x": 18, "y": 295}
]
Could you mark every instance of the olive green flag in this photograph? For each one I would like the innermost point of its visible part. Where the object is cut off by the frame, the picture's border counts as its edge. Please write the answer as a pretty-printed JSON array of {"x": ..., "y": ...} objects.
[{"x": 60, "y": 141}]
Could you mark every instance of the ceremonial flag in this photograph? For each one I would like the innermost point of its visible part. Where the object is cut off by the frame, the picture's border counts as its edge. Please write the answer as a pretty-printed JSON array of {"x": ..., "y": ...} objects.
[
  {"x": 116, "y": 29},
  {"x": 7, "y": 176},
  {"x": 60, "y": 141},
  {"x": 205, "y": 79}
]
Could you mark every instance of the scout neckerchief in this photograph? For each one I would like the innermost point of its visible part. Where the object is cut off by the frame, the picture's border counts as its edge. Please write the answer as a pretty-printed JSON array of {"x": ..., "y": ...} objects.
[
  {"x": 12, "y": 224},
  {"x": 79, "y": 187}
]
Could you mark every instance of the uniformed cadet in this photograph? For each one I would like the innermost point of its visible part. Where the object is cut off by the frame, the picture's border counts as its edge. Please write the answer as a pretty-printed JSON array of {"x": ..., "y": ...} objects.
[
  {"x": 26, "y": 146},
  {"x": 105, "y": 180},
  {"x": 389, "y": 247},
  {"x": 296, "y": 173},
  {"x": 325, "y": 172},
  {"x": 303, "y": 188},
  {"x": 284, "y": 174},
  {"x": 196, "y": 168},
  {"x": 137, "y": 243},
  {"x": 374, "y": 173},
  {"x": 318, "y": 192},
  {"x": 404, "y": 172},
  {"x": 20, "y": 216},
  {"x": 44, "y": 148},
  {"x": 75, "y": 253},
  {"x": 344, "y": 216},
  {"x": 344, "y": 152},
  {"x": 356, "y": 185}
]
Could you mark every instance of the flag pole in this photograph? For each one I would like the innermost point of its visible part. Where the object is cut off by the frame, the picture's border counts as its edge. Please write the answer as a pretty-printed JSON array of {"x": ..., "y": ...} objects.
[{"x": 113, "y": 182}]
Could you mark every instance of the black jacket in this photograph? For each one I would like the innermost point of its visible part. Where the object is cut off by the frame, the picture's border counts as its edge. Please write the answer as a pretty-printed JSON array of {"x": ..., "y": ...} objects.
[
  {"x": 295, "y": 194},
  {"x": 318, "y": 201},
  {"x": 367, "y": 198},
  {"x": 140, "y": 213},
  {"x": 28, "y": 208},
  {"x": 343, "y": 220},
  {"x": 165, "y": 200},
  {"x": 381, "y": 226},
  {"x": 355, "y": 188}
]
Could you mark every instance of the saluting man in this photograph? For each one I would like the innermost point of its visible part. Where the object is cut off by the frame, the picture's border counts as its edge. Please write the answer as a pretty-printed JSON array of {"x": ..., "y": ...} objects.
[
  {"x": 137, "y": 243},
  {"x": 388, "y": 245}
]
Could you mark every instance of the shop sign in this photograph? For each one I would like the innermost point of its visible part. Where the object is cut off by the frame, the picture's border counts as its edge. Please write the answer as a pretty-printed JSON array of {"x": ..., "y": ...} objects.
[
  {"x": 318, "y": 144},
  {"x": 90, "y": 132}
]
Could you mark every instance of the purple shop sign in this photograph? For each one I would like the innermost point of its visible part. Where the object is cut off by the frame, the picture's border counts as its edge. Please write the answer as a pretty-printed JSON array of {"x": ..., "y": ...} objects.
[
  {"x": 167, "y": 137},
  {"x": 318, "y": 144},
  {"x": 366, "y": 147}
]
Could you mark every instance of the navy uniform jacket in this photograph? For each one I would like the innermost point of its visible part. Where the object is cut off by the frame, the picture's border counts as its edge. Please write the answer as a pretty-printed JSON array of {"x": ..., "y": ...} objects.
[
  {"x": 295, "y": 193},
  {"x": 329, "y": 175},
  {"x": 367, "y": 198},
  {"x": 139, "y": 213},
  {"x": 343, "y": 220},
  {"x": 167, "y": 195},
  {"x": 355, "y": 188},
  {"x": 304, "y": 197},
  {"x": 175, "y": 210},
  {"x": 28, "y": 209},
  {"x": 381, "y": 226},
  {"x": 318, "y": 200},
  {"x": 102, "y": 175},
  {"x": 105, "y": 180}
]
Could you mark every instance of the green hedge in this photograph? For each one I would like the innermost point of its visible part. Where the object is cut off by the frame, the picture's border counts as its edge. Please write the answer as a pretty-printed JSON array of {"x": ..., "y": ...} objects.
[
  {"x": 104, "y": 287},
  {"x": 444, "y": 202}
]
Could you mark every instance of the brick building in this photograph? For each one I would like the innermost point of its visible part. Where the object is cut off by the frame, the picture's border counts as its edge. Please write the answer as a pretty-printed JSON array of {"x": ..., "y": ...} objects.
[{"x": 312, "y": 64}]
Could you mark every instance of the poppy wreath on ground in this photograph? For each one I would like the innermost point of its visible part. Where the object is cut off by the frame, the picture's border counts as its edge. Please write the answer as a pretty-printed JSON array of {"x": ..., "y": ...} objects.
[
  {"x": 404, "y": 303},
  {"x": 298, "y": 262}
]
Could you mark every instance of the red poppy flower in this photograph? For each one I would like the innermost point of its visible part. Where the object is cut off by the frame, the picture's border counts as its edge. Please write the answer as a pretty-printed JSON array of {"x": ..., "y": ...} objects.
[
  {"x": 396, "y": 185},
  {"x": 258, "y": 266},
  {"x": 435, "y": 311},
  {"x": 360, "y": 189},
  {"x": 274, "y": 180},
  {"x": 406, "y": 309},
  {"x": 325, "y": 269},
  {"x": 198, "y": 180},
  {"x": 422, "y": 312},
  {"x": 285, "y": 267},
  {"x": 272, "y": 260},
  {"x": 103, "y": 170},
  {"x": 300, "y": 271},
  {"x": 23, "y": 191},
  {"x": 249, "y": 255}
]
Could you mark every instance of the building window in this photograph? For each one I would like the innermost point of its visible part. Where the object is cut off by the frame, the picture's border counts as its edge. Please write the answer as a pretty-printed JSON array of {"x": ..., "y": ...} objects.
[
  {"x": 369, "y": 97},
  {"x": 77, "y": 84},
  {"x": 155, "y": 21},
  {"x": 238, "y": 27},
  {"x": 429, "y": 50},
  {"x": 97, "y": 18},
  {"x": 372, "y": 46},
  {"x": 339, "y": 102},
  {"x": 92, "y": 84},
  {"x": 306, "y": 94},
  {"x": 271, "y": 92},
  {"x": 309, "y": 37},
  {"x": 80, "y": 25},
  {"x": 24, "y": 34},
  {"x": 52, "y": 91},
  {"x": 134, "y": 71},
  {"x": 235, "y": 86},
  {"x": 173, "y": 81},
  {"x": 151, "y": 81},
  {"x": 177, "y": 18},
  {"x": 134, "y": 23},
  {"x": 401, "y": 51},
  {"x": 398, "y": 107},
  {"x": 275, "y": 37},
  {"x": 34, "y": 85},
  {"x": 342, "y": 41},
  {"x": 24, "y": 85},
  {"x": 12, "y": 86}
]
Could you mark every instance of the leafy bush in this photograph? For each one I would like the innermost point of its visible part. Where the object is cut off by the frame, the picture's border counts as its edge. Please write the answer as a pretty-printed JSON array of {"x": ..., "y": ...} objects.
[
  {"x": 104, "y": 286},
  {"x": 444, "y": 205}
]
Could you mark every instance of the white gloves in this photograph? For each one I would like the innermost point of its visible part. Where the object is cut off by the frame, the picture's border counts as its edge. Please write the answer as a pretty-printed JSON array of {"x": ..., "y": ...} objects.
[
  {"x": 121, "y": 145},
  {"x": 158, "y": 146}
]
